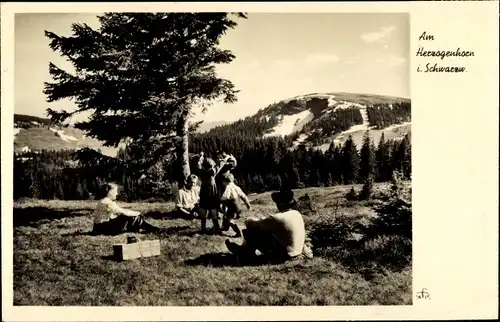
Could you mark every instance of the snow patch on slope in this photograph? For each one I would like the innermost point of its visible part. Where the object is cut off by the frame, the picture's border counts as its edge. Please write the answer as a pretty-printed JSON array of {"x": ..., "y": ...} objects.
[
  {"x": 16, "y": 131},
  {"x": 395, "y": 126},
  {"x": 64, "y": 137},
  {"x": 342, "y": 105},
  {"x": 291, "y": 123},
  {"x": 358, "y": 127},
  {"x": 345, "y": 105},
  {"x": 300, "y": 140}
]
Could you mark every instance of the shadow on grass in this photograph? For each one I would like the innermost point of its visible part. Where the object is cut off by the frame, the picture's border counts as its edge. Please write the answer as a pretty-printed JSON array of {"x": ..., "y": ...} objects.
[
  {"x": 109, "y": 258},
  {"x": 166, "y": 215},
  {"x": 35, "y": 216},
  {"x": 163, "y": 215},
  {"x": 227, "y": 260},
  {"x": 176, "y": 230}
]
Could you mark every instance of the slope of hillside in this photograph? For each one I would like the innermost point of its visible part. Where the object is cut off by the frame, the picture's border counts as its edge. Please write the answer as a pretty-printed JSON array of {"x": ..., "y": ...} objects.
[
  {"x": 315, "y": 120},
  {"x": 33, "y": 134},
  {"x": 318, "y": 119}
]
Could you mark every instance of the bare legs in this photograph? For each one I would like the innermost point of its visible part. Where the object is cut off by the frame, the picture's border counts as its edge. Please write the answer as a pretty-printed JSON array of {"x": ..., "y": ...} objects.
[
  {"x": 212, "y": 214},
  {"x": 230, "y": 223}
]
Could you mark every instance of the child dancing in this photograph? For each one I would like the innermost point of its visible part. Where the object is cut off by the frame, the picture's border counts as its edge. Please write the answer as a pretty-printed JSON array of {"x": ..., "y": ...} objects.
[{"x": 230, "y": 199}]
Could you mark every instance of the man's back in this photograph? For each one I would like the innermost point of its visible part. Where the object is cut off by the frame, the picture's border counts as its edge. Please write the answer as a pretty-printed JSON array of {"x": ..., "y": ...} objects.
[{"x": 287, "y": 227}]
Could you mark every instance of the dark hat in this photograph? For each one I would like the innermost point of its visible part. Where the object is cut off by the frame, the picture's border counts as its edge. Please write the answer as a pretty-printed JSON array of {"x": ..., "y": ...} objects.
[{"x": 283, "y": 197}]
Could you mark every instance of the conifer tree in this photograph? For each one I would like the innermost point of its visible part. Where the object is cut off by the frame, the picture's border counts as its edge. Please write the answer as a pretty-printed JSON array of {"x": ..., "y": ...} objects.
[
  {"x": 404, "y": 156},
  {"x": 35, "y": 189},
  {"x": 140, "y": 75},
  {"x": 329, "y": 180},
  {"x": 79, "y": 191},
  {"x": 368, "y": 166},
  {"x": 383, "y": 159},
  {"x": 316, "y": 179},
  {"x": 350, "y": 161},
  {"x": 336, "y": 165}
]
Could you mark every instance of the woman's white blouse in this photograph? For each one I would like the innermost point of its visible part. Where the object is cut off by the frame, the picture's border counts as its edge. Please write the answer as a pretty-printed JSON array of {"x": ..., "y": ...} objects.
[{"x": 108, "y": 209}]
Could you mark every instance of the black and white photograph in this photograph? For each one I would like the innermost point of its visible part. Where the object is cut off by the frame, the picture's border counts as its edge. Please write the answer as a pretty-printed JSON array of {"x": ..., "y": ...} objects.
[
  {"x": 212, "y": 159},
  {"x": 249, "y": 161}
]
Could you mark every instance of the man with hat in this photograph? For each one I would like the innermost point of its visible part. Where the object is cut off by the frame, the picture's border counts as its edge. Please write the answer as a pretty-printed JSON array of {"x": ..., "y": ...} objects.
[{"x": 279, "y": 237}]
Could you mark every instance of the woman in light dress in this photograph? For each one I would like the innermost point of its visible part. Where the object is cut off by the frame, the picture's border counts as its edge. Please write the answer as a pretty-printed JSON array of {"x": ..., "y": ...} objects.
[{"x": 111, "y": 219}]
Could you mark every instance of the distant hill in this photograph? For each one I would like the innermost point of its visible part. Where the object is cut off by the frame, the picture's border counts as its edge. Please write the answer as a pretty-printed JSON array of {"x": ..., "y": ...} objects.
[
  {"x": 207, "y": 126},
  {"x": 33, "y": 133},
  {"x": 318, "y": 119},
  {"x": 315, "y": 120}
]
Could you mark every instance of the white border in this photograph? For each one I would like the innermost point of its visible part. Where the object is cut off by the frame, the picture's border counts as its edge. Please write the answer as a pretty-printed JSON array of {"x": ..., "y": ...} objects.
[{"x": 455, "y": 192}]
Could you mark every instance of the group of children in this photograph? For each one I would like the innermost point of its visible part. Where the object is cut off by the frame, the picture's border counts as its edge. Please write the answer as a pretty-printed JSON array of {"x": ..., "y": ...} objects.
[
  {"x": 217, "y": 194},
  {"x": 279, "y": 237}
]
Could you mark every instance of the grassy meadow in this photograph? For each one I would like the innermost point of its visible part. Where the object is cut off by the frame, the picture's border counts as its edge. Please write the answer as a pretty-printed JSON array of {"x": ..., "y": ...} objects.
[{"x": 57, "y": 262}]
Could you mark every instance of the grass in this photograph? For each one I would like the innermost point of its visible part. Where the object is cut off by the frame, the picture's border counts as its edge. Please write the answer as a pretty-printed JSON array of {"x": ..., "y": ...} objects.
[{"x": 56, "y": 261}]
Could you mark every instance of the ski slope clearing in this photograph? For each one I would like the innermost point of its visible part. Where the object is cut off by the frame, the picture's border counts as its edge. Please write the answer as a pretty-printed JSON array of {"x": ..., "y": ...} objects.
[{"x": 291, "y": 123}]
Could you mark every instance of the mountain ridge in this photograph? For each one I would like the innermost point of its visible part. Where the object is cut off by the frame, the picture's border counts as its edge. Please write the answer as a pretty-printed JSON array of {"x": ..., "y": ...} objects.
[{"x": 315, "y": 120}]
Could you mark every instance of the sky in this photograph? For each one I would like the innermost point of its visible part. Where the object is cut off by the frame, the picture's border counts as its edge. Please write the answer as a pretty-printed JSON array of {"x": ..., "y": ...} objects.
[{"x": 278, "y": 55}]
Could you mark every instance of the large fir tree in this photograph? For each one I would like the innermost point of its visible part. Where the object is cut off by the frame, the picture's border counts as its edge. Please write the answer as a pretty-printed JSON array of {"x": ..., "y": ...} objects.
[{"x": 140, "y": 75}]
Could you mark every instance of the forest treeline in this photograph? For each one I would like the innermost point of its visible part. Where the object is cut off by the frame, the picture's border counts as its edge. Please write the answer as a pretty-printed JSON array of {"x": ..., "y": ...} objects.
[
  {"x": 325, "y": 124},
  {"x": 384, "y": 115},
  {"x": 263, "y": 164}
]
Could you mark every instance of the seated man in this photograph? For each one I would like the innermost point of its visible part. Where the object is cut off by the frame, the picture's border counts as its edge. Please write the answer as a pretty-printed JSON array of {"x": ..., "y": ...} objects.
[
  {"x": 279, "y": 237},
  {"x": 111, "y": 219},
  {"x": 188, "y": 198}
]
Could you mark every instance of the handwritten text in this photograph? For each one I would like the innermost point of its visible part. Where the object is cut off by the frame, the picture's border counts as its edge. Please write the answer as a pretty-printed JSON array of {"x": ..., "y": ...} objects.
[{"x": 432, "y": 67}]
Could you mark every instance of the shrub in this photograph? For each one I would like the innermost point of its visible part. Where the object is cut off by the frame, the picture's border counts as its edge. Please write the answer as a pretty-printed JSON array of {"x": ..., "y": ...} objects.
[
  {"x": 335, "y": 241},
  {"x": 325, "y": 235},
  {"x": 351, "y": 195},
  {"x": 367, "y": 190},
  {"x": 394, "y": 217}
]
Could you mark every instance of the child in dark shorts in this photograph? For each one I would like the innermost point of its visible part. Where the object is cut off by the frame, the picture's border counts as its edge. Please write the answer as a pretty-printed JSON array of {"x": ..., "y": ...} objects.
[
  {"x": 230, "y": 198},
  {"x": 209, "y": 204}
]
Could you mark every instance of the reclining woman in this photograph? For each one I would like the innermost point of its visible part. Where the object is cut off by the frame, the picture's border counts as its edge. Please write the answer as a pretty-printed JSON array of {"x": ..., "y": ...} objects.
[
  {"x": 278, "y": 237},
  {"x": 111, "y": 219}
]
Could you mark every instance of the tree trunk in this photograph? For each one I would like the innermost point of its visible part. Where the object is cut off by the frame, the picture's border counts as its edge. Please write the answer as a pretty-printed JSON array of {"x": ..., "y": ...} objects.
[{"x": 183, "y": 152}]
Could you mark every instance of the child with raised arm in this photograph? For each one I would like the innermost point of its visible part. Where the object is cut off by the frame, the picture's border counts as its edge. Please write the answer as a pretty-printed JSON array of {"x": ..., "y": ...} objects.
[
  {"x": 209, "y": 195},
  {"x": 226, "y": 164},
  {"x": 230, "y": 198}
]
